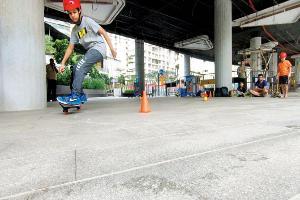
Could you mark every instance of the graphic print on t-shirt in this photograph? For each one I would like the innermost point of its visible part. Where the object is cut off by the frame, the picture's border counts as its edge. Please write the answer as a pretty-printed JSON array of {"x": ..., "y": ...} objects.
[{"x": 82, "y": 33}]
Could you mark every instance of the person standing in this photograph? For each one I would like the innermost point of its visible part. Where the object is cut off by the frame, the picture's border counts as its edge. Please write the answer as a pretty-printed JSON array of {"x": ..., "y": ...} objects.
[
  {"x": 284, "y": 72},
  {"x": 242, "y": 74},
  {"x": 51, "y": 71}
]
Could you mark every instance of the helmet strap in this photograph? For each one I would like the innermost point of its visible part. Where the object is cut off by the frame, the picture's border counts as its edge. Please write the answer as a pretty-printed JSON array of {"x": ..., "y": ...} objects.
[{"x": 80, "y": 18}]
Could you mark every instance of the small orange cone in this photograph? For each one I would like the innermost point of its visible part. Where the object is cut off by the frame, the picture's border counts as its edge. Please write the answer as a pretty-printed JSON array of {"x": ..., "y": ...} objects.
[
  {"x": 205, "y": 97},
  {"x": 210, "y": 94},
  {"x": 145, "y": 108}
]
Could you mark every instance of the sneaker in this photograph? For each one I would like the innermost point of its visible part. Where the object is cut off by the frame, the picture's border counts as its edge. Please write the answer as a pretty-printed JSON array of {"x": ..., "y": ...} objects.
[
  {"x": 83, "y": 98},
  {"x": 71, "y": 99},
  {"x": 63, "y": 99}
]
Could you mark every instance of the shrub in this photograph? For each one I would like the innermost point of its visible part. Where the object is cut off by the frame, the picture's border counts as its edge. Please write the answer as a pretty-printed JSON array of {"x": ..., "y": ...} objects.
[
  {"x": 128, "y": 92},
  {"x": 64, "y": 78},
  {"x": 92, "y": 83}
]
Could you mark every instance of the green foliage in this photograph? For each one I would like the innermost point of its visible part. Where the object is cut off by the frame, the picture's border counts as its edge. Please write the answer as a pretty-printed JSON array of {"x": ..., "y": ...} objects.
[
  {"x": 94, "y": 73},
  {"x": 75, "y": 58},
  {"x": 152, "y": 77},
  {"x": 64, "y": 78},
  {"x": 96, "y": 80},
  {"x": 130, "y": 78},
  {"x": 171, "y": 76},
  {"x": 49, "y": 49},
  {"x": 128, "y": 92},
  {"x": 60, "y": 46},
  {"x": 121, "y": 79},
  {"x": 92, "y": 83}
]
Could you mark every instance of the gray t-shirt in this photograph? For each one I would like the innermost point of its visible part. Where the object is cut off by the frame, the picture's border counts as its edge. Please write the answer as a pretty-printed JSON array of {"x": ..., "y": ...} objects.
[{"x": 87, "y": 35}]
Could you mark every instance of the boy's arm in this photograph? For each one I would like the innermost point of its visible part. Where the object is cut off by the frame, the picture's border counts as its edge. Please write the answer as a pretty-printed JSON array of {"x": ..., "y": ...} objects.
[
  {"x": 108, "y": 41},
  {"x": 67, "y": 55}
]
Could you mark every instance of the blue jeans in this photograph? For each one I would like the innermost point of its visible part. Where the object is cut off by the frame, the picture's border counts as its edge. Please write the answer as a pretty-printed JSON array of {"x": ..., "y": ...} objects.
[{"x": 81, "y": 69}]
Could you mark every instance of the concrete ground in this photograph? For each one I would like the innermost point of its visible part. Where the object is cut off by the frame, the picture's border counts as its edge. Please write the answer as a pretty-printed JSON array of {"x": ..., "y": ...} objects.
[{"x": 185, "y": 149}]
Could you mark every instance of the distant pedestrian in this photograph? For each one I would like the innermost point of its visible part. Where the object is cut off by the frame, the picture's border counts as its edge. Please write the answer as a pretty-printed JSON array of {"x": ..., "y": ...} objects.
[
  {"x": 284, "y": 72},
  {"x": 51, "y": 72}
]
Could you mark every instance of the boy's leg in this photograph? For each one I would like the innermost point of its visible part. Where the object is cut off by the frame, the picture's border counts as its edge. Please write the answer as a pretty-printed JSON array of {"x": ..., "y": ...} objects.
[
  {"x": 72, "y": 77},
  {"x": 286, "y": 89},
  {"x": 286, "y": 86},
  {"x": 91, "y": 57}
]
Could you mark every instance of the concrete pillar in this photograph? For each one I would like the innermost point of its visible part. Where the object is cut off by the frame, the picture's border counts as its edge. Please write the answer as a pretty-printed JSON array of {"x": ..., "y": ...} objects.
[
  {"x": 273, "y": 64},
  {"x": 139, "y": 63},
  {"x": 22, "y": 55},
  {"x": 187, "y": 65},
  {"x": 297, "y": 69},
  {"x": 256, "y": 59},
  {"x": 223, "y": 43}
]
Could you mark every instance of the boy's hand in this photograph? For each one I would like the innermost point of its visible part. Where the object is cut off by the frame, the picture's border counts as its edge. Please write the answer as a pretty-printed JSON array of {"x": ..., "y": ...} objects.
[
  {"x": 113, "y": 53},
  {"x": 61, "y": 69}
]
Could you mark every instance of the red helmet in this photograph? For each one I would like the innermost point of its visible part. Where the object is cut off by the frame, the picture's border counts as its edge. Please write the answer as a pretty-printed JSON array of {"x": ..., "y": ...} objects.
[
  {"x": 282, "y": 55},
  {"x": 71, "y": 4}
]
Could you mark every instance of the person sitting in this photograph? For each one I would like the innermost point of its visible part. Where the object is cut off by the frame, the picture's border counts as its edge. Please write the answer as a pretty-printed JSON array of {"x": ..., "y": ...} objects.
[
  {"x": 260, "y": 89},
  {"x": 201, "y": 91},
  {"x": 241, "y": 90}
]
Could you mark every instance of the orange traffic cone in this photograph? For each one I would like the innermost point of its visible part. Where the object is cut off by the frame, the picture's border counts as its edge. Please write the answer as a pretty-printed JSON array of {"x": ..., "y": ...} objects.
[
  {"x": 145, "y": 108},
  {"x": 205, "y": 97},
  {"x": 210, "y": 94}
]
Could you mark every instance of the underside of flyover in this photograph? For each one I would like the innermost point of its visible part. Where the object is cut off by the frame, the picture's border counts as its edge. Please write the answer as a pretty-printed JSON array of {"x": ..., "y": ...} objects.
[{"x": 164, "y": 23}]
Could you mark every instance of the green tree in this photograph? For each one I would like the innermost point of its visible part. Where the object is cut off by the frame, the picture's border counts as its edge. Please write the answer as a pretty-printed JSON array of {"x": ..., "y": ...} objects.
[
  {"x": 152, "y": 77},
  {"x": 60, "y": 46},
  {"x": 171, "y": 76},
  {"x": 75, "y": 58},
  {"x": 60, "y": 49},
  {"x": 92, "y": 83},
  {"x": 65, "y": 77},
  {"x": 121, "y": 79},
  {"x": 49, "y": 49},
  {"x": 95, "y": 74},
  {"x": 105, "y": 78},
  {"x": 96, "y": 80}
]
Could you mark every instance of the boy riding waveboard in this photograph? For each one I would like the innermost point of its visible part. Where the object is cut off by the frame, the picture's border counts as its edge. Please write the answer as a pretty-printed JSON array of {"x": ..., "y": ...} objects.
[{"x": 89, "y": 34}]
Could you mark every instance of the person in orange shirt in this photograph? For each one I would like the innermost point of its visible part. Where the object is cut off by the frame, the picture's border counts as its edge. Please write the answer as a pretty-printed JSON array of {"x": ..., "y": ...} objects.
[{"x": 284, "y": 73}]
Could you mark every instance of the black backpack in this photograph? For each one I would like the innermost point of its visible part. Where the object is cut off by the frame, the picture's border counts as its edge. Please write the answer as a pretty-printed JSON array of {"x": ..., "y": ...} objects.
[
  {"x": 225, "y": 92},
  {"x": 218, "y": 92}
]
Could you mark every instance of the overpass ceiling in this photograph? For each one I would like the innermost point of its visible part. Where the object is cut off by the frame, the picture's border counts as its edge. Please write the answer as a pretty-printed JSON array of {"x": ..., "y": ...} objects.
[{"x": 165, "y": 22}]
